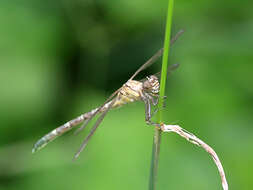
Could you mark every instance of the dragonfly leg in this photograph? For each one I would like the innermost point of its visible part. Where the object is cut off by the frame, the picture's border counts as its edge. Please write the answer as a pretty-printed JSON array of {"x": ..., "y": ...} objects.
[
  {"x": 155, "y": 99},
  {"x": 154, "y": 112},
  {"x": 164, "y": 103},
  {"x": 164, "y": 98},
  {"x": 148, "y": 114}
]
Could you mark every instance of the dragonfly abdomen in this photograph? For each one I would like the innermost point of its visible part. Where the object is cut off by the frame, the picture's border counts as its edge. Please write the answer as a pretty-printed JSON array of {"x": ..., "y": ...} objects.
[{"x": 62, "y": 129}]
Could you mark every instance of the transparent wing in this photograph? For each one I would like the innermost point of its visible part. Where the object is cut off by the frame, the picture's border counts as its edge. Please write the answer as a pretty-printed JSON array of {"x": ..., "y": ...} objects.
[
  {"x": 170, "y": 69},
  {"x": 148, "y": 63},
  {"x": 158, "y": 54},
  {"x": 86, "y": 140},
  {"x": 98, "y": 110},
  {"x": 62, "y": 129}
]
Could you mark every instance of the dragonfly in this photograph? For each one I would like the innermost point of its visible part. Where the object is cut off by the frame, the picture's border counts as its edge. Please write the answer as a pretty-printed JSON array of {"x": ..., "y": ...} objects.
[{"x": 146, "y": 90}]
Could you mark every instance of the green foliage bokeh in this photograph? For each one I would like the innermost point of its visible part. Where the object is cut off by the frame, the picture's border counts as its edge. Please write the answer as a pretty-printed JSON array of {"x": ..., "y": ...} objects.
[{"x": 59, "y": 59}]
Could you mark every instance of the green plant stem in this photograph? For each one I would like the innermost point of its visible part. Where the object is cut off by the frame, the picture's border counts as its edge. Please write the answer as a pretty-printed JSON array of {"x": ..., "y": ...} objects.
[{"x": 157, "y": 134}]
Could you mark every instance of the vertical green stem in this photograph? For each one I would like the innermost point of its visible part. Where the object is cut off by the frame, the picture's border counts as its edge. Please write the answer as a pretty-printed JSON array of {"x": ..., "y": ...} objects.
[{"x": 157, "y": 135}]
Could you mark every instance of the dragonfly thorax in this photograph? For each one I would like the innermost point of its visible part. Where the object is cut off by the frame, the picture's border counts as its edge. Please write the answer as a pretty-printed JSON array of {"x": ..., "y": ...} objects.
[{"x": 151, "y": 85}]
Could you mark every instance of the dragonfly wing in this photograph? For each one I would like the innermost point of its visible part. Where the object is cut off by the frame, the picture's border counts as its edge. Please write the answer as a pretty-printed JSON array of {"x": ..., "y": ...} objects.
[
  {"x": 155, "y": 57},
  {"x": 99, "y": 120},
  {"x": 169, "y": 70},
  {"x": 83, "y": 125},
  {"x": 178, "y": 34},
  {"x": 144, "y": 66},
  {"x": 69, "y": 125},
  {"x": 98, "y": 110}
]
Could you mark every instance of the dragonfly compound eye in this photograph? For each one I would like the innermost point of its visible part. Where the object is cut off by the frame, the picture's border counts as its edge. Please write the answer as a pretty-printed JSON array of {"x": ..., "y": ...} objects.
[{"x": 152, "y": 84}]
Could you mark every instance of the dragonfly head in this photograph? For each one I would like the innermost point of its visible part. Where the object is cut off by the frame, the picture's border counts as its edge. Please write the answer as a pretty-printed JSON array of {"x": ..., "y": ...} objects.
[{"x": 151, "y": 85}]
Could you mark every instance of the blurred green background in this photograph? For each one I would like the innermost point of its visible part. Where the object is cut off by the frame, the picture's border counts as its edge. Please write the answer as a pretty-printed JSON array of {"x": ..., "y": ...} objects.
[{"x": 61, "y": 58}]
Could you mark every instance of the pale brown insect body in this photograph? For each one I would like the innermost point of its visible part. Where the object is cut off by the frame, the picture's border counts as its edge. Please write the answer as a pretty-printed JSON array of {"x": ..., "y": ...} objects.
[
  {"x": 145, "y": 90},
  {"x": 131, "y": 91},
  {"x": 135, "y": 90}
]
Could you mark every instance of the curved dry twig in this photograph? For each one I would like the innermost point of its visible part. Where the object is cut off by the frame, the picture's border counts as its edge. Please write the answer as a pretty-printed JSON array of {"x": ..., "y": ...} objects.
[{"x": 195, "y": 140}]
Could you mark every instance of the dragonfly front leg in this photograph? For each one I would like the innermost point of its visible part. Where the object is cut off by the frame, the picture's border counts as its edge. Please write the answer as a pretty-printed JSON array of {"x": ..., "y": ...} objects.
[{"x": 155, "y": 100}]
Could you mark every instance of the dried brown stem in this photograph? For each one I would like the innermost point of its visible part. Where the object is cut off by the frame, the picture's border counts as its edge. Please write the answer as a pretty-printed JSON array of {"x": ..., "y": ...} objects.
[{"x": 195, "y": 140}]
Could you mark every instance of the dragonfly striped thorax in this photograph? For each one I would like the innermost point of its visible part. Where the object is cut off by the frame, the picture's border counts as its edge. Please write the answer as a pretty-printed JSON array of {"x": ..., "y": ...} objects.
[{"x": 137, "y": 90}]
